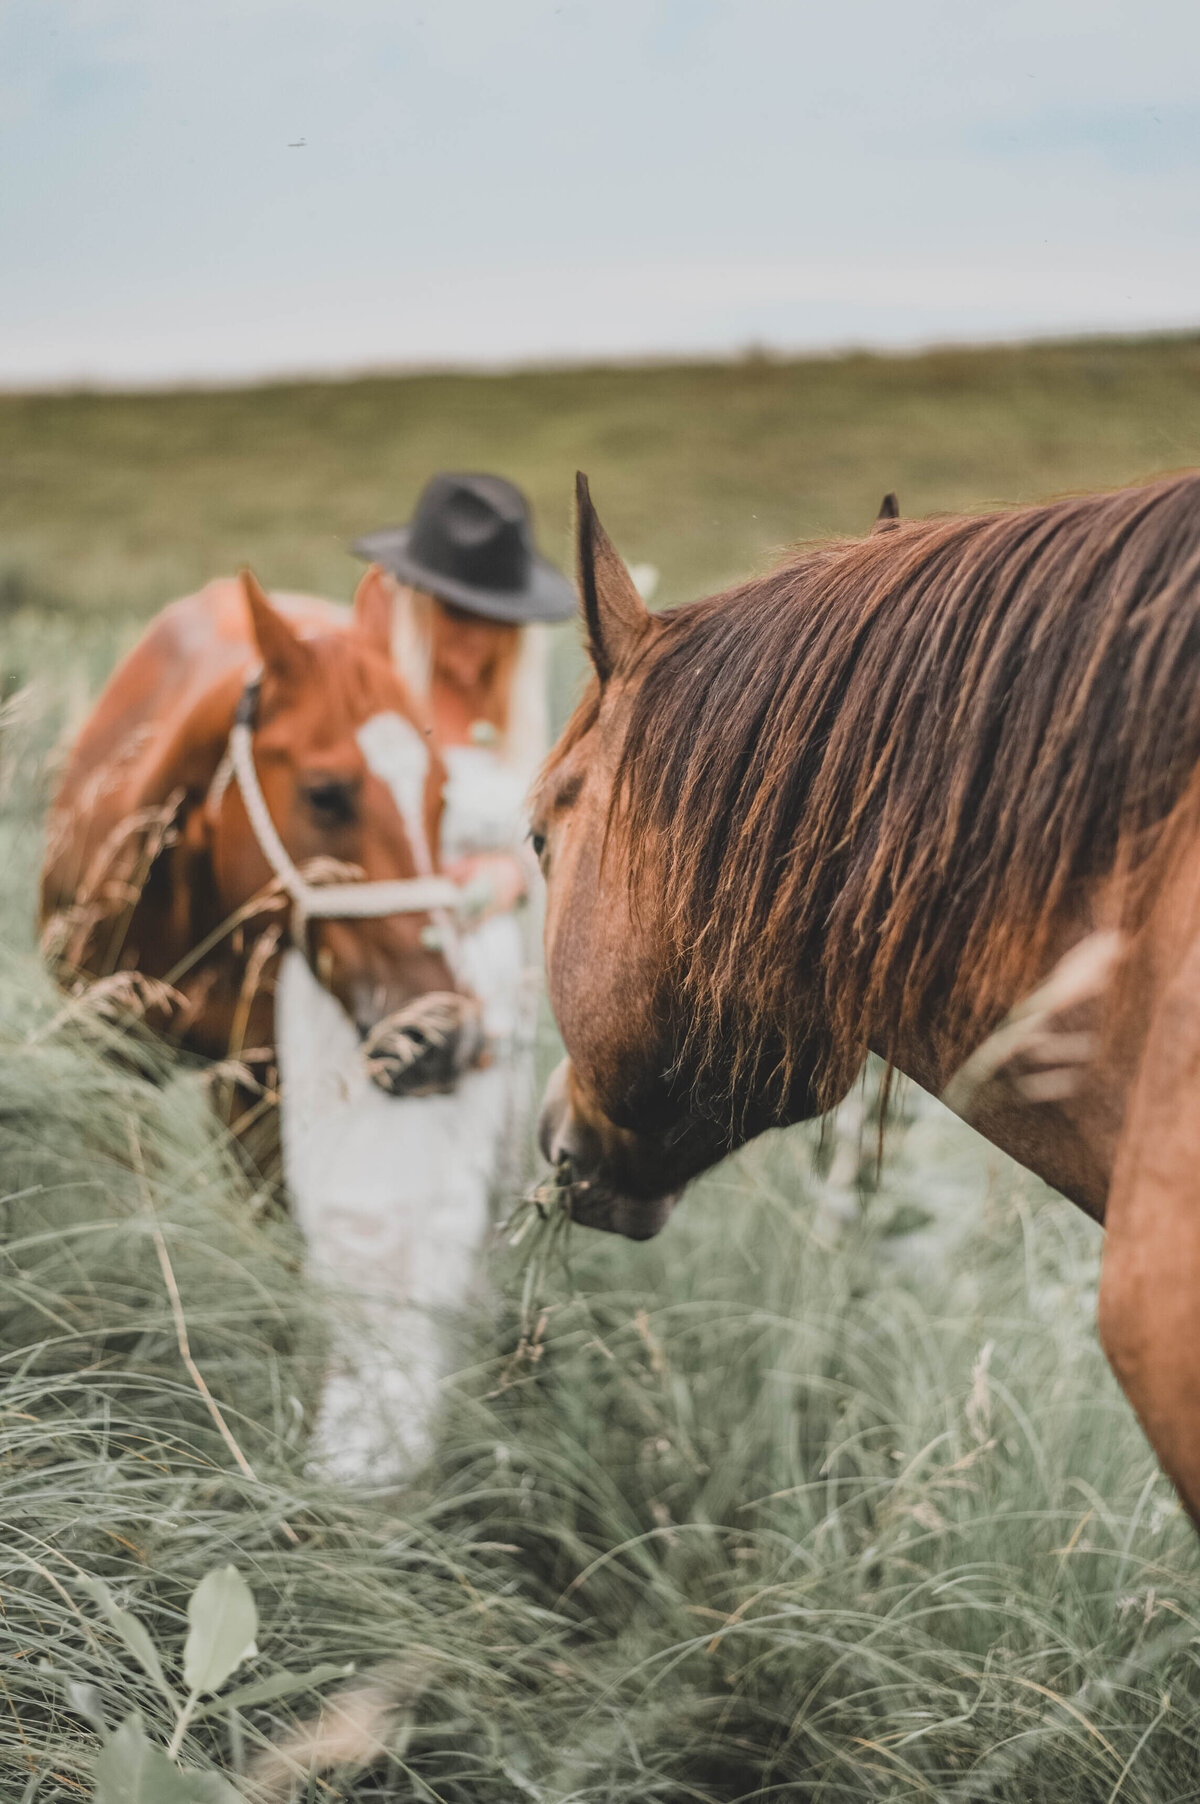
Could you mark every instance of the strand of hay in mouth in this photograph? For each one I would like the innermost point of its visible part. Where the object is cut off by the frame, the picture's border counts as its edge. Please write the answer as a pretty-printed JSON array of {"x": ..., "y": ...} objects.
[
  {"x": 541, "y": 1223},
  {"x": 398, "y": 1042},
  {"x": 543, "y": 1208},
  {"x": 1056, "y": 1057}
]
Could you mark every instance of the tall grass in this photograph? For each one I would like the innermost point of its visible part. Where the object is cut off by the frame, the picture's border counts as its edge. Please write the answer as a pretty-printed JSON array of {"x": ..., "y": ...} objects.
[
  {"x": 111, "y": 1462},
  {"x": 826, "y": 1494},
  {"x": 767, "y": 1508}
]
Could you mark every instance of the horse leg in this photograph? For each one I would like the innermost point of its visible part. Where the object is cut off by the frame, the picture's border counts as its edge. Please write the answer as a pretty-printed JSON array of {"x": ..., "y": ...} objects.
[{"x": 1150, "y": 1276}]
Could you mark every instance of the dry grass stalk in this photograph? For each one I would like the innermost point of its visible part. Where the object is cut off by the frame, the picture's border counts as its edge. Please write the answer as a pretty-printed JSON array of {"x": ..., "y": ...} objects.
[
  {"x": 181, "y": 1328},
  {"x": 242, "y": 1071},
  {"x": 121, "y": 997},
  {"x": 271, "y": 899},
  {"x": 541, "y": 1221},
  {"x": 110, "y": 889},
  {"x": 261, "y": 953},
  {"x": 17, "y": 712}
]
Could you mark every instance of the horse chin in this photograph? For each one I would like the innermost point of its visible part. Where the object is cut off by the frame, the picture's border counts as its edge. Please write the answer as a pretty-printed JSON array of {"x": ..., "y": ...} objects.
[
  {"x": 600, "y": 1168},
  {"x": 637, "y": 1218}
]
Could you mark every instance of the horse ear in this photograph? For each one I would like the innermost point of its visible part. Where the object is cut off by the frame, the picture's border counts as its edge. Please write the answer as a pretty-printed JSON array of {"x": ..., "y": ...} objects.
[
  {"x": 615, "y": 614},
  {"x": 373, "y": 609},
  {"x": 888, "y": 515},
  {"x": 283, "y": 652}
]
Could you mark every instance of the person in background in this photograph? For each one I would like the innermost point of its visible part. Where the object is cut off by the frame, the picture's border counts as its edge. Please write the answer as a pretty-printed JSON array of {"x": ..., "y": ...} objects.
[
  {"x": 392, "y": 1194},
  {"x": 470, "y": 596}
]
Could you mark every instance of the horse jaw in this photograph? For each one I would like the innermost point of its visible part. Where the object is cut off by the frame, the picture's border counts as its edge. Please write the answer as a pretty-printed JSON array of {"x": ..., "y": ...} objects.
[{"x": 575, "y": 1147}]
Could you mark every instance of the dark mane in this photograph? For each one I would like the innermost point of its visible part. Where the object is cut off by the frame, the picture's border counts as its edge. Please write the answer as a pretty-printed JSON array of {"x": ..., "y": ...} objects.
[{"x": 896, "y": 763}]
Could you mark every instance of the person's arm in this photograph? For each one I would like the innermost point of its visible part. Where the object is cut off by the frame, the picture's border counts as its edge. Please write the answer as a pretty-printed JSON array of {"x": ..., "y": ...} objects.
[{"x": 496, "y": 882}]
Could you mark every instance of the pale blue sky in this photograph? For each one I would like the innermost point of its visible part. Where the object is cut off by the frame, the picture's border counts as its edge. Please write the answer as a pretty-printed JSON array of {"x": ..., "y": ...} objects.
[{"x": 198, "y": 188}]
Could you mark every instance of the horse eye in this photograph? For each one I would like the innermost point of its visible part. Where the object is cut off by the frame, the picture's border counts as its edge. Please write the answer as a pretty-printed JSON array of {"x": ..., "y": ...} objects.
[
  {"x": 333, "y": 804},
  {"x": 538, "y": 842}
]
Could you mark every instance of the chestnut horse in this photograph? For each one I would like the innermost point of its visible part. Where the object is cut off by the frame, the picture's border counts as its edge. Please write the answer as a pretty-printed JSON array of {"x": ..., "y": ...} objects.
[
  {"x": 876, "y": 800},
  {"x": 242, "y": 753}
]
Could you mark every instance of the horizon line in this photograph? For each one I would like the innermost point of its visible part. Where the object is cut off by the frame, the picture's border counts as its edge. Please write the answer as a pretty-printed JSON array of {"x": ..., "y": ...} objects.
[{"x": 317, "y": 375}]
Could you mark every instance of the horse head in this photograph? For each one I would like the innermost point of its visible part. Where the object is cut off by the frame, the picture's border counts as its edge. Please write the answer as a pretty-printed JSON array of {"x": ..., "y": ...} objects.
[
  {"x": 342, "y": 761},
  {"x": 621, "y": 1118}
]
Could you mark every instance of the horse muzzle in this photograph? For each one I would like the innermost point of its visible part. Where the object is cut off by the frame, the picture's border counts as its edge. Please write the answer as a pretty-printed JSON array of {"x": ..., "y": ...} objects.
[
  {"x": 603, "y": 1180},
  {"x": 424, "y": 1048}
]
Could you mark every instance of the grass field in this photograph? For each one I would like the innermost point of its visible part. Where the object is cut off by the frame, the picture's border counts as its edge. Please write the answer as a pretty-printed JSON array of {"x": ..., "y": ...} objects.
[{"x": 826, "y": 1494}]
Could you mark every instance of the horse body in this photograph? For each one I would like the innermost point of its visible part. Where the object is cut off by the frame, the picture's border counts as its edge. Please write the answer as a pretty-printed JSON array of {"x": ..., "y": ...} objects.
[
  {"x": 875, "y": 802},
  {"x": 152, "y": 852}
]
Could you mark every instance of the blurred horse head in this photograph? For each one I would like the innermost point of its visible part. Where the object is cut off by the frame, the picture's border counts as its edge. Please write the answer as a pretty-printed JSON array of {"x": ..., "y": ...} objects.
[{"x": 256, "y": 775}]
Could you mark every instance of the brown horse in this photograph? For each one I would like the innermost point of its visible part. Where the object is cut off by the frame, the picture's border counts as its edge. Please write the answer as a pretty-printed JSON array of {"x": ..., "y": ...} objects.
[
  {"x": 242, "y": 753},
  {"x": 875, "y": 800}
]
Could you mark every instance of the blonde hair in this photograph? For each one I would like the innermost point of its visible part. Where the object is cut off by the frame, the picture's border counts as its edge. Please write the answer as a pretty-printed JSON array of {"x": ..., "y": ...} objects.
[{"x": 524, "y": 736}]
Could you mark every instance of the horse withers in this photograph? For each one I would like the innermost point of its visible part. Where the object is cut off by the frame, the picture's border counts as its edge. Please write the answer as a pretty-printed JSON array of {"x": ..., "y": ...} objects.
[
  {"x": 878, "y": 800},
  {"x": 256, "y": 775}
]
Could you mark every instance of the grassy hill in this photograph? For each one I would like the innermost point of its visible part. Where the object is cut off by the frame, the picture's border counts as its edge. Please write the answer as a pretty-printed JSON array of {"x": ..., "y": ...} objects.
[
  {"x": 827, "y": 1493},
  {"x": 122, "y": 500}
]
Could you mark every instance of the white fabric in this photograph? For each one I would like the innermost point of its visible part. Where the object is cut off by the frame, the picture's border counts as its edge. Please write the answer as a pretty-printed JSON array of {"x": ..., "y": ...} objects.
[
  {"x": 485, "y": 803},
  {"x": 485, "y": 811},
  {"x": 395, "y": 751},
  {"x": 392, "y": 1193}
]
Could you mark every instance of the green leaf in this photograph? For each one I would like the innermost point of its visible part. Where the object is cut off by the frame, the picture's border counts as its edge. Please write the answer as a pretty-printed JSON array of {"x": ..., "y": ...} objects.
[
  {"x": 224, "y": 1623},
  {"x": 278, "y": 1685},
  {"x": 130, "y": 1770},
  {"x": 85, "y": 1700},
  {"x": 907, "y": 1218},
  {"x": 135, "y": 1637},
  {"x": 192, "y": 1787},
  {"x": 121, "y": 1767}
]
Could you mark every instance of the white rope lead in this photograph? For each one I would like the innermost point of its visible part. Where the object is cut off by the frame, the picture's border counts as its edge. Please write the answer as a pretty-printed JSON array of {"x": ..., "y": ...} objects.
[{"x": 341, "y": 901}]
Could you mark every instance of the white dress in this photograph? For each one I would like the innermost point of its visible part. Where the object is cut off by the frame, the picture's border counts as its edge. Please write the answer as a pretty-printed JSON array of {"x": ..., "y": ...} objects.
[{"x": 393, "y": 1194}]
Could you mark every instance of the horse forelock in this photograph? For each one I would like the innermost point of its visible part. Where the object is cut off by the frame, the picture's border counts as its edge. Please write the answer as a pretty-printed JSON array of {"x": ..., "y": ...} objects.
[
  {"x": 874, "y": 784},
  {"x": 348, "y": 683}
]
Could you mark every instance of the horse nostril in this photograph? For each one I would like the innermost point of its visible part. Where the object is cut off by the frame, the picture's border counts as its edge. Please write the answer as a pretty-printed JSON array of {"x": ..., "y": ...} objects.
[{"x": 410, "y": 1064}]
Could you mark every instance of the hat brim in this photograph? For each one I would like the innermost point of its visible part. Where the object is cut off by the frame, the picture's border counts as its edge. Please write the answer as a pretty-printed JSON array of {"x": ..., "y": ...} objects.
[{"x": 547, "y": 596}]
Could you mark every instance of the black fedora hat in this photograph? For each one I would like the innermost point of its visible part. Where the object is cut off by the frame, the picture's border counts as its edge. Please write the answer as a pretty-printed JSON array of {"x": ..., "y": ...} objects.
[{"x": 471, "y": 543}]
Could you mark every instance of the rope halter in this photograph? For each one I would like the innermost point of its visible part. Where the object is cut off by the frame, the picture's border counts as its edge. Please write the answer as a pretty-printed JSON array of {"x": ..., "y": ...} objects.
[{"x": 358, "y": 901}]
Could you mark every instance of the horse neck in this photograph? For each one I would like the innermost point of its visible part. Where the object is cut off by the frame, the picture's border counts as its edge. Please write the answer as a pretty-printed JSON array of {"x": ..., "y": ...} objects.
[
  {"x": 1068, "y": 1141},
  {"x": 185, "y": 765}
]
